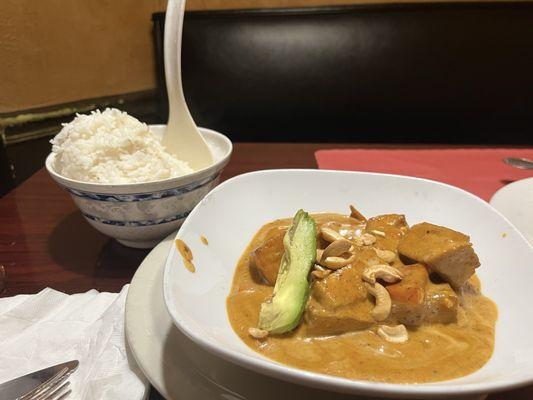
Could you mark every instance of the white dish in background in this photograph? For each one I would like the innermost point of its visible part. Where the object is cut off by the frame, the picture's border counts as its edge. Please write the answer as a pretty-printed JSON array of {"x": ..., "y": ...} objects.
[
  {"x": 231, "y": 213},
  {"x": 515, "y": 201},
  {"x": 142, "y": 214},
  {"x": 180, "y": 369}
]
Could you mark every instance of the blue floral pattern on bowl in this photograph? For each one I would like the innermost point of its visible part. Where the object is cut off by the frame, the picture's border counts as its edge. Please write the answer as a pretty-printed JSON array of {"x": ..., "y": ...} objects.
[
  {"x": 142, "y": 196},
  {"x": 149, "y": 222}
]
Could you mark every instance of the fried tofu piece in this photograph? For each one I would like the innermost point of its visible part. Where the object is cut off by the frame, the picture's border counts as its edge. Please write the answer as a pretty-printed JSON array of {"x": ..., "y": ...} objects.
[
  {"x": 266, "y": 259},
  {"x": 408, "y": 296},
  {"x": 441, "y": 304},
  {"x": 339, "y": 303},
  {"x": 447, "y": 252},
  {"x": 387, "y": 220},
  {"x": 394, "y": 226},
  {"x": 416, "y": 300},
  {"x": 366, "y": 256},
  {"x": 322, "y": 321},
  {"x": 342, "y": 287}
]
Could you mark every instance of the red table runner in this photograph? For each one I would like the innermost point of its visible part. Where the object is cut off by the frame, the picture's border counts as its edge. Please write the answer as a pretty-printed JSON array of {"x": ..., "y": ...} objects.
[{"x": 480, "y": 171}]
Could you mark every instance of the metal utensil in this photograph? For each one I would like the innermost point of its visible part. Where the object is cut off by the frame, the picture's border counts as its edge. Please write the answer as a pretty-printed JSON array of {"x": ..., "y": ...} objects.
[
  {"x": 182, "y": 137},
  {"x": 47, "y": 384},
  {"x": 522, "y": 163}
]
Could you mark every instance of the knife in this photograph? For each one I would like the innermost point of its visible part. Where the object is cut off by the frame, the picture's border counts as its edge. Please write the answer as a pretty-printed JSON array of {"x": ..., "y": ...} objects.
[{"x": 22, "y": 386}]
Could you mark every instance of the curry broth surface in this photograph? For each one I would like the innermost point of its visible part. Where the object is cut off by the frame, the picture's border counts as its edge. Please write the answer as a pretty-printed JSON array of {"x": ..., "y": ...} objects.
[{"x": 433, "y": 352}]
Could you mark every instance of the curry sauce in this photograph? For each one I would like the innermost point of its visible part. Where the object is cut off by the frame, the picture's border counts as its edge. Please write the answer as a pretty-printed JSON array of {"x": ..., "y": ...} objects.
[{"x": 434, "y": 351}]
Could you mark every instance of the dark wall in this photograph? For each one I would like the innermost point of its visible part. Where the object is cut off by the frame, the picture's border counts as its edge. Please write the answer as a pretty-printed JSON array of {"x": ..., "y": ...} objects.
[
  {"x": 448, "y": 73},
  {"x": 6, "y": 178}
]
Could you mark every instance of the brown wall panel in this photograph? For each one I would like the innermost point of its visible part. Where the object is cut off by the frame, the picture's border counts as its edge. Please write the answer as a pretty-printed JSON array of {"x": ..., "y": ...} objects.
[{"x": 57, "y": 51}]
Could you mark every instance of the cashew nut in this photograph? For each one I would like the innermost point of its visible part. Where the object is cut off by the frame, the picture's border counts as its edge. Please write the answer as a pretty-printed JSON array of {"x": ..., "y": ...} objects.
[
  {"x": 337, "y": 248},
  {"x": 393, "y": 334},
  {"x": 381, "y": 271},
  {"x": 319, "y": 272},
  {"x": 377, "y": 233},
  {"x": 257, "y": 333},
  {"x": 337, "y": 262},
  {"x": 381, "y": 310},
  {"x": 329, "y": 257},
  {"x": 386, "y": 255},
  {"x": 330, "y": 235},
  {"x": 358, "y": 241},
  {"x": 370, "y": 262},
  {"x": 368, "y": 239},
  {"x": 354, "y": 213}
]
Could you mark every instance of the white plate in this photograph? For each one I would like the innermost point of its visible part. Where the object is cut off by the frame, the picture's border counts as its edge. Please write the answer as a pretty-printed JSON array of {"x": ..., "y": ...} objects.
[
  {"x": 177, "y": 367},
  {"x": 515, "y": 201},
  {"x": 231, "y": 213}
]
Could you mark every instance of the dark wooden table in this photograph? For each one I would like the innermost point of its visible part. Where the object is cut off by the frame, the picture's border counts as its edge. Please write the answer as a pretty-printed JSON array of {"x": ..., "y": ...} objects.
[{"x": 45, "y": 242}]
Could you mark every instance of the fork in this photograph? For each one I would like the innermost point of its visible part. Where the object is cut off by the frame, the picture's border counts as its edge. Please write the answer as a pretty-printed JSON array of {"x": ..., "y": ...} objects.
[{"x": 55, "y": 388}]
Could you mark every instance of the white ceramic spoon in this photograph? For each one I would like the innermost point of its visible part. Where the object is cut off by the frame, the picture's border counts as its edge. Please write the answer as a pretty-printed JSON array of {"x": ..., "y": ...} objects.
[{"x": 181, "y": 137}]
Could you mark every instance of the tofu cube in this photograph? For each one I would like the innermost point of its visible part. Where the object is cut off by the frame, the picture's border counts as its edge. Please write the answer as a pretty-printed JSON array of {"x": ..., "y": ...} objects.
[
  {"x": 441, "y": 304},
  {"x": 266, "y": 259},
  {"x": 323, "y": 321},
  {"x": 341, "y": 288},
  {"x": 408, "y": 295},
  {"x": 447, "y": 252},
  {"x": 339, "y": 303}
]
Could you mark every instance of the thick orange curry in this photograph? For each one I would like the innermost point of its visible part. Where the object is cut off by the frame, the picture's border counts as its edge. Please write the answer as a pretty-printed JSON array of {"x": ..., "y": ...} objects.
[{"x": 429, "y": 323}]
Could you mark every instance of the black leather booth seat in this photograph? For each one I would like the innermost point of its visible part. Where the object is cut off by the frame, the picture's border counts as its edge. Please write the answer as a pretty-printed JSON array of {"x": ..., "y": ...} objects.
[{"x": 446, "y": 73}]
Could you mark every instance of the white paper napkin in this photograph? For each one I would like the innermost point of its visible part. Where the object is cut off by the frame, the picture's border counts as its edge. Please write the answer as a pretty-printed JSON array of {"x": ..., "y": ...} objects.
[{"x": 48, "y": 328}]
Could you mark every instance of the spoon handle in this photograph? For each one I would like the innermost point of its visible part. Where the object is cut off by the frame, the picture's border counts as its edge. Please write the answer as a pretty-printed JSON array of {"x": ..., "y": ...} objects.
[
  {"x": 172, "y": 48},
  {"x": 182, "y": 137}
]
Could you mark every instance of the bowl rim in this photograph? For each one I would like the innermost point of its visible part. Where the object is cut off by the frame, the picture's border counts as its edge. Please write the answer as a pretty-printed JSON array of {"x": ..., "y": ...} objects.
[
  {"x": 329, "y": 382},
  {"x": 143, "y": 187},
  {"x": 521, "y": 182}
]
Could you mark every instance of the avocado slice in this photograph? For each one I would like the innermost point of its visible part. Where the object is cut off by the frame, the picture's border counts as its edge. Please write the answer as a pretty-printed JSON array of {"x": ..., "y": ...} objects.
[{"x": 283, "y": 311}]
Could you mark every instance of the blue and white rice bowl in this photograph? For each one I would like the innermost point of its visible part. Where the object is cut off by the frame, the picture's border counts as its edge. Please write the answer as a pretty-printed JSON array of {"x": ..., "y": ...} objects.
[{"x": 142, "y": 214}]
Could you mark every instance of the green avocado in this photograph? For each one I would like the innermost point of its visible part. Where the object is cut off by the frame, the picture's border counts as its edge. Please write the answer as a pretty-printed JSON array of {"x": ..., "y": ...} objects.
[{"x": 283, "y": 311}]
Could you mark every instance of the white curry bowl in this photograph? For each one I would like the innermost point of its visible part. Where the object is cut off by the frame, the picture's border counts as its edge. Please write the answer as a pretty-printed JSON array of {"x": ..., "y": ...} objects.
[
  {"x": 230, "y": 215},
  {"x": 142, "y": 214}
]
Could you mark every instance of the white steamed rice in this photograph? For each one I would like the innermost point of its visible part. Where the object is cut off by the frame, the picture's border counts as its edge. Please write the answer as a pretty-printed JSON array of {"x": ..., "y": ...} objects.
[{"x": 112, "y": 147}]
